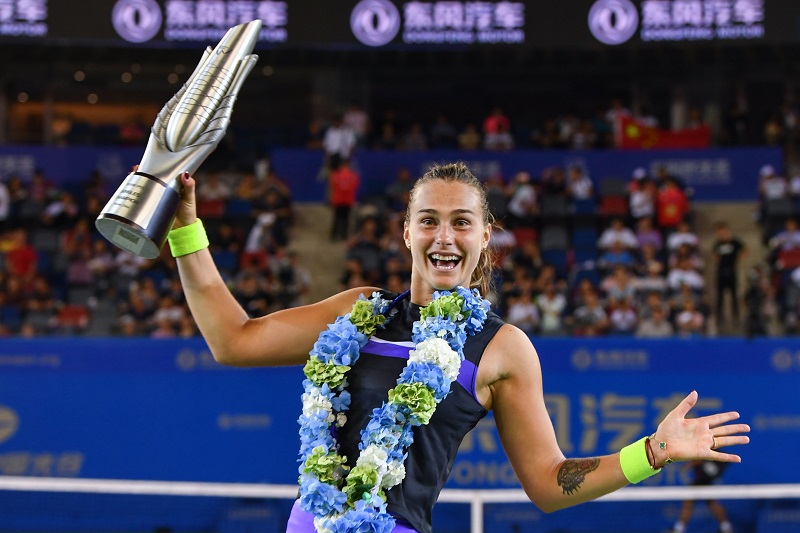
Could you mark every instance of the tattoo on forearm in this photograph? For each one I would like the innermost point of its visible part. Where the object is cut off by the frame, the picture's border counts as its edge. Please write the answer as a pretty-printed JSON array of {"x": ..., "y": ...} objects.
[{"x": 573, "y": 472}]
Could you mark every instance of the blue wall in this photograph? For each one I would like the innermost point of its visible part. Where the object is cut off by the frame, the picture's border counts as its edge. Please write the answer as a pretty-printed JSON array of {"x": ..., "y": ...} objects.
[
  {"x": 715, "y": 175},
  {"x": 144, "y": 409}
]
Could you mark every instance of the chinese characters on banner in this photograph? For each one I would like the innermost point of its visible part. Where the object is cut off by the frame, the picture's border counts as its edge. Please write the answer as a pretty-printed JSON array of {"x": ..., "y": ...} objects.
[
  {"x": 197, "y": 20},
  {"x": 26, "y": 18},
  {"x": 690, "y": 20}
]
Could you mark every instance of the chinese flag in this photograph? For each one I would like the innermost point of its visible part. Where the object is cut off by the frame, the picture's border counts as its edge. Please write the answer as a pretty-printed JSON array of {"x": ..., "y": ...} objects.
[{"x": 631, "y": 134}]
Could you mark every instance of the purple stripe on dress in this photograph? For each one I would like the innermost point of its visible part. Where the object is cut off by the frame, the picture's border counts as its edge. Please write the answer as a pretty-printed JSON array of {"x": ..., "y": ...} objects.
[
  {"x": 466, "y": 375},
  {"x": 301, "y": 521}
]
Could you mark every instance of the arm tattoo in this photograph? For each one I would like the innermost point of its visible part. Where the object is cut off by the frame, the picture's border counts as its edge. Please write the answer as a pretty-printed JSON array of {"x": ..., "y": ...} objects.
[{"x": 573, "y": 472}]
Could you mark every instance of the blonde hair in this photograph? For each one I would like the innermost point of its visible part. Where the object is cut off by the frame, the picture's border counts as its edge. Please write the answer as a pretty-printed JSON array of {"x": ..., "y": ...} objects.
[{"x": 459, "y": 172}]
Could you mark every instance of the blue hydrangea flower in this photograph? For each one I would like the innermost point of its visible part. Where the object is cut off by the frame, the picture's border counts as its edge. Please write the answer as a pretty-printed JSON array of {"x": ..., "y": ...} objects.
[
  {"x": 428, "y": 374},
  {"x": 320, "y": 498},
  {"x": 453, "y": 333},
  {"x": 475, "y": 307},
  {"x": 341, "y": 402},
  {"x": 340, "y": 343},
  {"x": 364, "y": 518}
]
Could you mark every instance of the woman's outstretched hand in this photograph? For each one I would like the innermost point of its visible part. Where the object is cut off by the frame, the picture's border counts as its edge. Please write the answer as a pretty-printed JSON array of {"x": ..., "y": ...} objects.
[{"x": 690, "y": 439}]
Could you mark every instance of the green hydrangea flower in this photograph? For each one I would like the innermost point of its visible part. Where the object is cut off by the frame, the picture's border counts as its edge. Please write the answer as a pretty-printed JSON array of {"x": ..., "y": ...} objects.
[
  {"x": 448, "y": 306},
  {"x": 418, "y": 397},
  {"x": 361, "y": 480},
  {"x": 362, "y": 318},
  {"x": 325, "y": 466},
  {"x": 320, "y": 373}
]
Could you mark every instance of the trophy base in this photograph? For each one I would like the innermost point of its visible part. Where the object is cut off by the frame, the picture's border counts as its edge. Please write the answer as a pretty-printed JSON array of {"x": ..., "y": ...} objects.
[{"x": 139, "y": 216}]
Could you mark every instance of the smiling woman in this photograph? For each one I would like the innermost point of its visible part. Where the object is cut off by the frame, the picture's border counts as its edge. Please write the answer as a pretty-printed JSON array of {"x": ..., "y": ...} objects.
[{"x": 396, "y": 381}]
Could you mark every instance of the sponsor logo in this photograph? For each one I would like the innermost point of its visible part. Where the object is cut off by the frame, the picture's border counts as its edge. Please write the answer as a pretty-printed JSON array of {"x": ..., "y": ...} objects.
[
  {"x": 136, "y": 21},
  {"x": 613, "y": 21},
  {"x": 9, "y": 422},
  {"x": 375, "y": 22}
]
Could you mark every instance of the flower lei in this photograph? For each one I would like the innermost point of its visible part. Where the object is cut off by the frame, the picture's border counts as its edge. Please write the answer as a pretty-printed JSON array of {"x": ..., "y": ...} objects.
[{"x": 345, "y": 500}]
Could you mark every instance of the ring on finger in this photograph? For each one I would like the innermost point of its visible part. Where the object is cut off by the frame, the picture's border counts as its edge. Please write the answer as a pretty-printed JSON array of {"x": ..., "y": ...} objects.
[{"x": 714, "y": 445}]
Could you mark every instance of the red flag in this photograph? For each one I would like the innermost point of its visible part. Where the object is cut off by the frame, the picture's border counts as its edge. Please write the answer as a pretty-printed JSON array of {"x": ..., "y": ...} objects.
[{"x": 632, "y": 134}]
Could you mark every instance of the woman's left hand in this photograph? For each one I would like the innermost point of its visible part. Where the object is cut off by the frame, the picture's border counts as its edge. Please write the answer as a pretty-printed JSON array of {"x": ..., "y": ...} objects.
[{"x": 701, "y": 438}]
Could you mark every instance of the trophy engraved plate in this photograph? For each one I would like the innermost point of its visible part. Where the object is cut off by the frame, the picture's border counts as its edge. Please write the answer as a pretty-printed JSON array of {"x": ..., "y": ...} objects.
[{"x": 188, "y": 128}]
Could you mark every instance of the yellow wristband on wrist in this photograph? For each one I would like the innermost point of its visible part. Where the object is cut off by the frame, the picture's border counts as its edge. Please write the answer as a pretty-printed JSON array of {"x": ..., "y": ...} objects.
[
  {"x": 188, "y": 239},
  {"x": 634, "y": 462}
]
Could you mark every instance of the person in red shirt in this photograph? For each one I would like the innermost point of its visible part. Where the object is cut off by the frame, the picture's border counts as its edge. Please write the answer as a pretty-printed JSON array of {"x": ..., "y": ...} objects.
[
  {"x": 672, "y": 206},
  {"x": 343, "y": 188},
  {"x": 21, "y": 258}
]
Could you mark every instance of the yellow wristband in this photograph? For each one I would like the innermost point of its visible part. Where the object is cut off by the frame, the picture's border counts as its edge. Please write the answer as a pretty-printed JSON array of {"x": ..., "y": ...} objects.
[
  {"x": 634, "y": 463},
  {"x": 188, "y": 239}
]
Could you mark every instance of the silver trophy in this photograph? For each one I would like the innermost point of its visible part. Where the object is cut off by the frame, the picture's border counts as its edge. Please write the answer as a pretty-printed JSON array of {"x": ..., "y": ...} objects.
[{"x": 188, "y": 128}]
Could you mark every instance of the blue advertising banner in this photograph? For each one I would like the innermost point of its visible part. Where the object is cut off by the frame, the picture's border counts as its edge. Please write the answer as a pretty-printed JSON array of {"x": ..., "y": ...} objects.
[
  {"x": 713, "y": 175},
  {"x": 164, "y": 410}
]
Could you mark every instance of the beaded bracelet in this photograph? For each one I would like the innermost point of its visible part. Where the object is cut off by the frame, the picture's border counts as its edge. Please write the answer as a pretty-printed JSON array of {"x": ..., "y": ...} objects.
[
  {"x": 188, "y": 239},
  {"x": 634, "y": 461}
]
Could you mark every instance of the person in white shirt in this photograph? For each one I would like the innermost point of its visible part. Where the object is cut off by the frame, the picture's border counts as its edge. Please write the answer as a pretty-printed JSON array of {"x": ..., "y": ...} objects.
[
  {"x": 683, "y": 235},
  {"x": 683, "y": 273},
  {"x": 618, "y": 232},
  {"x": 579, "y": 185},
  {"x": 339, "y": 142}
]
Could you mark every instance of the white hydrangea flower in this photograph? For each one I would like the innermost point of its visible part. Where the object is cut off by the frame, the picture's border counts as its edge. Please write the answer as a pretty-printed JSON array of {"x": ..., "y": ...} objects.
[
  {"x": 319, "y": 524},
  {"x": 315, "y": 401},
  {"x": 341, "y": 419},
  {"x": 395, "y": 473},
  {"x": 373, "y": 456},
  {"x": 438, "y": 352}
]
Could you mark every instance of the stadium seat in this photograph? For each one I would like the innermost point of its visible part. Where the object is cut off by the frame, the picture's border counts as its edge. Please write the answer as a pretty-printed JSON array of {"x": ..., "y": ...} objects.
[{"x": 554, "y": 238}]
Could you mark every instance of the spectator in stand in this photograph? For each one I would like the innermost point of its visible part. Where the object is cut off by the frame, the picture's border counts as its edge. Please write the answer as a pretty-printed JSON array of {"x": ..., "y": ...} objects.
[
  {"x": 672, "y": 206},
  {"x": 647, "y": 260},
  {"x": 771, "y": 185},
  {"x": 689, "y": 321},
  {"x": 499, "y": 140},
  {"x": 787, "y": 239},
  {"x": 387, "y": 140},
  {"x": 616, "y": 255},
  {"x": 663, "y": 175},
  {"x": 415, "y": 138},
  {"x": 585, "y": 138},
  {"x": 397, "y": 193},
  {"x": 365, "y": 245},
  {"x": 554, "y": 182},
  {"x": 443, "y": 134},
  {"x": 522, "y": 205},
  {"x": 656, "y": 326},
  {"x": 17, "y": 195},
  {"x": 339, "y": 142},
  {"x": 314, "y": 135},
  {"x": 773, "y": 130},
  {"x": 682, "y": 236},
  {"x": 63, "y": 212},
  {"x": 727, "y": 250},
  {"x": 344, "y": 183},
  {"x": 652, "y": 282},
  {"x": 522, "y": 309},
  {"x": 617, "y": 232},
  {"x": 622, "y": 318},
  {"x": 552, "y": 305},
  {"x": 642, "y": 194},
  {"x": 590, "y": 319},
  {"x": 497, "y": 196},
  {"x": 647, "y": 235},
  {"x": 690, "y": 254},
  {"x": 619, "y": 284},
  {"x": 469, "y": 138},
  {"x": 21, "y": 258},
  {"x": 683, "y": 273},
  {"x": 496, "y": 120},
  {"x": 579, "y": 185},
  {"x": 248, "y": 188},
  {"x": 547, "y": 136},
  {"x": 357, "y": 120},
  {"x": 5, "y": 205},
  {"x": 212, "y": 193}
]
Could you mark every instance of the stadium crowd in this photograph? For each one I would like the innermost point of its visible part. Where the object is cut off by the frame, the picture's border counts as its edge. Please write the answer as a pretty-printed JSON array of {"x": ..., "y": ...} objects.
[{"x": 574, "y": 256}]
